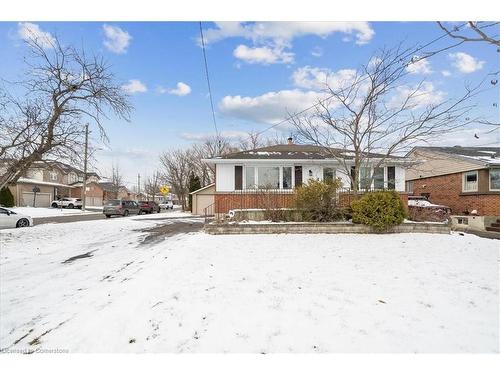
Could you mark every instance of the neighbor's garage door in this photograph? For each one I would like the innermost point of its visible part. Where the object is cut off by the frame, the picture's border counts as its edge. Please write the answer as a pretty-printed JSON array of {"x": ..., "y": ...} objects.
[
  {"x": 94, "y": 201},
  {"x": 42, "y": 199}
]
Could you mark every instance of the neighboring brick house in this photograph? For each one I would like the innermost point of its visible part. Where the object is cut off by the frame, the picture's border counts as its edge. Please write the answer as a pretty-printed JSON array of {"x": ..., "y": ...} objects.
[
  {"x": 52, "y": 179},
  {"x": 111, "y": 191},
  {"x": 466, "y": 179},
  {"x": 267, "y": 176}
]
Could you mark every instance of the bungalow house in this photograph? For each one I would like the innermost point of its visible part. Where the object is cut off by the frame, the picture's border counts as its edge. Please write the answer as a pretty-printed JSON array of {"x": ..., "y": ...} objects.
[
  {"x": 241, "y": 178},
  {"x": 466, "y": 179}
]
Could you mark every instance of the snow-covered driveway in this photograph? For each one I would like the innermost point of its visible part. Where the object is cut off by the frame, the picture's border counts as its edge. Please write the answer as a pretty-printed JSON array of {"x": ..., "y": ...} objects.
[{"x": 99, "y": 286}]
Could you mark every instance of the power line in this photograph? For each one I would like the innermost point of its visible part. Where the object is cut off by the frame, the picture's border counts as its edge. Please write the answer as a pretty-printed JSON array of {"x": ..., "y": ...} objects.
[
  {"x": 363, "y": 79},
  {"x": 208, "y": 81}
]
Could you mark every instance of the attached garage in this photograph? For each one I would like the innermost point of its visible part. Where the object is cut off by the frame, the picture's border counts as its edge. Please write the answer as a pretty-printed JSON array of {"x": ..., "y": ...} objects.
[
  {"x": 41, "y": 199},
  {"x": 202, "y": 198},
  {"x": 93, "y": 201}
]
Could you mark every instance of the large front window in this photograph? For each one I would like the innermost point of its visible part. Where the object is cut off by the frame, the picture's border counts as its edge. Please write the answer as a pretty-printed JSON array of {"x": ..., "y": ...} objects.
[
  {"x": 495, "y": 179},
  {"x": 265, "y": 177},
  {"x": 269, "y": 177},
  {"x": 470, "y": 181}
]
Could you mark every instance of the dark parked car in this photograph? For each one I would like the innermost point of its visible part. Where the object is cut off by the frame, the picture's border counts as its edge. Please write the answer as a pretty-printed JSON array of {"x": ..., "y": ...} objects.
[
  {"x": 148, "y": 207},
  {"x": 120, "y": 207}
]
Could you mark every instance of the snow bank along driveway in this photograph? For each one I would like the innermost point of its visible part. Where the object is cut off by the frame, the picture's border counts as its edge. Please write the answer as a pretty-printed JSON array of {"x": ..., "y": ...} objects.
[{"x": 104, "y": 288}]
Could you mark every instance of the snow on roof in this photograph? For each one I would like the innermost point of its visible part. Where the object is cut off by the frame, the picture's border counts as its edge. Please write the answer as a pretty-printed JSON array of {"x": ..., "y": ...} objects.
[{"x": 38, "y": 182}]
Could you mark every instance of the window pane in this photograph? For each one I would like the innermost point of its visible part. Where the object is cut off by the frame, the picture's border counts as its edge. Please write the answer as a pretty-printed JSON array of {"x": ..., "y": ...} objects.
[
  {"x": 391, "y": 178},
  {"x": 364, "y": 177},
  {"x": 378, "y": 178},
  {"x": 494, "y": 178},
  {"x": 471, "y": 177},
  {"x": 250, "y": 178},
  {"x": 328, "y": 174},
  {"x": 269, "y": 177},
  {"x": 287, "y": 177}
]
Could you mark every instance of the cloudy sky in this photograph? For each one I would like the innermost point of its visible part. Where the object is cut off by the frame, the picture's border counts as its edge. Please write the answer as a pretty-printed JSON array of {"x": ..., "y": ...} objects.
[{"x": 259, "y": 72}]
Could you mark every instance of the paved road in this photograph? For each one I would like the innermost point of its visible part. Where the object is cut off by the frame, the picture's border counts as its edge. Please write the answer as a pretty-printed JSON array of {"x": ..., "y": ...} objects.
[
  {"x": 67, "y": 218},
  {"x": 88, "y": 217}
]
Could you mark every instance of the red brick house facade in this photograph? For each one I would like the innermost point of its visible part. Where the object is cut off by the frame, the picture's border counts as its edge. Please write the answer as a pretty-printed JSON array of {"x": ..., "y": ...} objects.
[{"x": 471, "y": 184}]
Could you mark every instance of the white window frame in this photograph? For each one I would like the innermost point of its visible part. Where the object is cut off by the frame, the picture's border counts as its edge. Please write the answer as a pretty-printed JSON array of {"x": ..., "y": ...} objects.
[
  {"x": 489, "y": 179},
  {"x": 53, "y": 175},
  {"x": 464, "y": 182},
  {"x": 331, "y": 167}
]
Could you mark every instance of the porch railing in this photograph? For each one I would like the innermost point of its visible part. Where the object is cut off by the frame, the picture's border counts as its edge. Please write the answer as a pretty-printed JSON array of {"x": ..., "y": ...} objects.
[{"x": 271, "y": 199}]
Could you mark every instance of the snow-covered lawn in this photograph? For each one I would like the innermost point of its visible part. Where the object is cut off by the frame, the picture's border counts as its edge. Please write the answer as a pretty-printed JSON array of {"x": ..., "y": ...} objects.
[
  {"x": 49, "y": 212},
  {"x": 245, "y": 293}
]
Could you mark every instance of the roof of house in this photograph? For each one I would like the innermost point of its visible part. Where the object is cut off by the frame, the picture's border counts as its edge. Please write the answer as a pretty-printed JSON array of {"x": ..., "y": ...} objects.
[
  {"x": 66, "y": 168},
  {"x": 486, "y": 155},
  {"x": 297, "y": 152},
  {"x": 203, "y": 188},
  {"x": 109, "y": 186},
  {"x": 32, "y": 181}
]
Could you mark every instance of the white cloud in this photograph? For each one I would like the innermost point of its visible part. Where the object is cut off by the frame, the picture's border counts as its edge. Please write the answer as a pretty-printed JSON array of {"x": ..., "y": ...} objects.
[
  {"x": 424, "y": 96},
  {"x": 317, "y": 51},
  {"x": 116, "y": 40},
  {"x": 182, "y": 89},
  {"x": 201, "y": 136},
  {"x": 285, "y": 32},
  {"x": 263, "y": 55},
  {"x": 134, "y": 86},
  {"x": 317, "y": 78},
  {"x": 465, "y": 63},
  {"x": 272, "y": 39},
  {"x": 31, "y": 31},
  {"x": 446, "y": 73},
  {"x": 422, "y": 66},
  {"x": 269, "y": 107}
]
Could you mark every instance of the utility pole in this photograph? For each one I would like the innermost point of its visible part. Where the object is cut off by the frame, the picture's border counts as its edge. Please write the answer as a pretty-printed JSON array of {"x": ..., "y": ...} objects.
[
  {"x": 138, "y": 185},
  {"x": 84, "y": 187}
]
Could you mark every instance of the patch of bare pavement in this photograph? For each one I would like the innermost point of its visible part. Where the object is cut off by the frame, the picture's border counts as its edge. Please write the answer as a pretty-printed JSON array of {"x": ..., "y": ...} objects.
[
  {"x": 161, "y": 232},
  {"x": 67, "y": 218}
]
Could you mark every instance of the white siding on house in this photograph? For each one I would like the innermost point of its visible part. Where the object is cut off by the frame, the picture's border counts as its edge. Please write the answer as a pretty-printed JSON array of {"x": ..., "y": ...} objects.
[
  {"x": 400, "y": 179},
  {"x": 317, "y": 172},
  {"x": 224, "y": 177}
]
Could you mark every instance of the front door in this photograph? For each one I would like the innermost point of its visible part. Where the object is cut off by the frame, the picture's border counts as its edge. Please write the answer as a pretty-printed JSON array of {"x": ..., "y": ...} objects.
[{"x": 298, "y": 175}]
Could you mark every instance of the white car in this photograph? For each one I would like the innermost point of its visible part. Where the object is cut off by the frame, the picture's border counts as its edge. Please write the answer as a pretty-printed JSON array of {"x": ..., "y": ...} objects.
[
  {"x": 11, "y": 219},
  {"x": 67, "y": 203},
  {"x": 167, "y": 205}
]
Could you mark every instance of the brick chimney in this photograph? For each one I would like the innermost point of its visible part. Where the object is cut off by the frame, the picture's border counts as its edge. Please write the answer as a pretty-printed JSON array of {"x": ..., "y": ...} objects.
[{"x": 290, "y": 140}]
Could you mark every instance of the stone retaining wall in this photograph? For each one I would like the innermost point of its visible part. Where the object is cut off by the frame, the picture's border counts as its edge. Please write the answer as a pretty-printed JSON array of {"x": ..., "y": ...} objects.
[{"x": 314, "y": 228}]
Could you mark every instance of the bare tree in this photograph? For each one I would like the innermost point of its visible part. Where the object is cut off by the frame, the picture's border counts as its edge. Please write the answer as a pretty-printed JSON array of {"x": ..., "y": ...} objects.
[
  {"x": 116, "y": 177},
  {"x": 65, "y": 89},
  {"x": 377, "y": 114},
  {"x": 251, "y": 141},
  {"x": 209, "y": 148},
  {"x": 475, "y": 32},
  {"x": 152, "y": 185},
  {"x": 176, "y": 168}
]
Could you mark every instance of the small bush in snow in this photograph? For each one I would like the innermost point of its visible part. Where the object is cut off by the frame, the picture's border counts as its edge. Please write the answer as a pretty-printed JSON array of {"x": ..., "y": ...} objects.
[
  {"x": 380, "y": 210},
  {"x": 317, "y": 201},
  {"x": 6, "y": 197}
]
